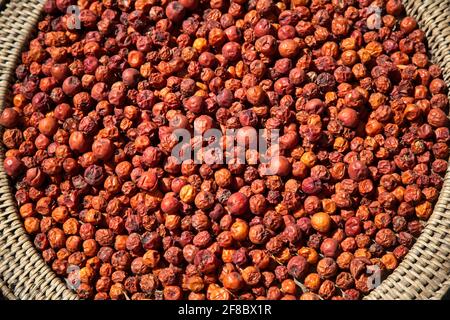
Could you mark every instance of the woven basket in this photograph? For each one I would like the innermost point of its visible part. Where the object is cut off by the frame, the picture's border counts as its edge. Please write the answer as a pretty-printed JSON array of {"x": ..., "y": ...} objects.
[{"x": 423, "y": 274}]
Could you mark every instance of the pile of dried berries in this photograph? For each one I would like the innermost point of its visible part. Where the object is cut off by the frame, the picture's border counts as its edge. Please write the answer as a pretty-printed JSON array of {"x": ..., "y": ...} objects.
[{"x": 364, "y": 145}]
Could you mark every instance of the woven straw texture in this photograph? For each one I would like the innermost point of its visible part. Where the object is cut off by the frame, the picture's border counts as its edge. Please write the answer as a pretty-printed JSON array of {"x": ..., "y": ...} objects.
[{"x": 423, "y": 274}]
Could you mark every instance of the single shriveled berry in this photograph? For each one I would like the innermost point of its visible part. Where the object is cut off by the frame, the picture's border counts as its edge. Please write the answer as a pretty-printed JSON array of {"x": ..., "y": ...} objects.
[
  {"x": 297, "y": 266},
  {"x": 237, "y": 204}
]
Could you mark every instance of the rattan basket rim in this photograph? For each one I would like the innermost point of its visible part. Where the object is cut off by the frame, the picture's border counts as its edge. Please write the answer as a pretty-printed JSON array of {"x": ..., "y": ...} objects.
[{"x": 424, "y": 273}]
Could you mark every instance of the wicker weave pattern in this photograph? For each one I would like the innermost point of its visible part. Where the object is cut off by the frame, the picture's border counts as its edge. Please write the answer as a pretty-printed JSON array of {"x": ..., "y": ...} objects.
[
  {"x": 424, "y": 273},
  {"x": 23, "y": 273}
]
